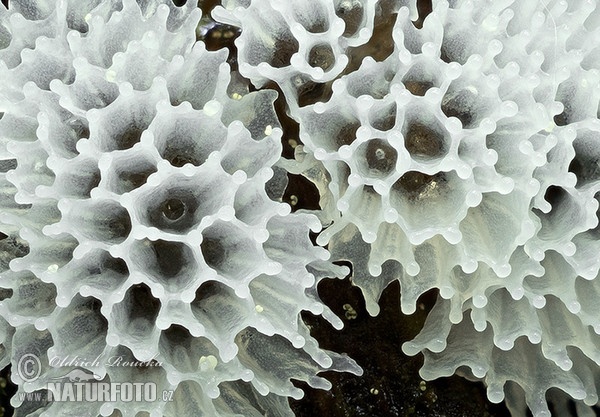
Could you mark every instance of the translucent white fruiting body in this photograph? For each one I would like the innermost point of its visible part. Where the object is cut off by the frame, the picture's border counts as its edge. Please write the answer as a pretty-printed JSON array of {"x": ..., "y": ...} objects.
[
  {"x": 138, "y": 222},
  {"x": 300, "y": 44},
  {"x": 467, "y": 161}
]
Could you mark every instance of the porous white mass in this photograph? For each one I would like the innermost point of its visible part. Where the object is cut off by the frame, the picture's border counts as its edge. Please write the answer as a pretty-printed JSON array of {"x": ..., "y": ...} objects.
[
  {"x": 138, "y": 195},
  {"x": 467, "y": 161},
  {"x": 137, "y": 206}
]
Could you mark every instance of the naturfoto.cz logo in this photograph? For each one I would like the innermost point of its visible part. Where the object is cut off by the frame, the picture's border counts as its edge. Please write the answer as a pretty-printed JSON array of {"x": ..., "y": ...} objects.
[{"x": 82, "y": 385}]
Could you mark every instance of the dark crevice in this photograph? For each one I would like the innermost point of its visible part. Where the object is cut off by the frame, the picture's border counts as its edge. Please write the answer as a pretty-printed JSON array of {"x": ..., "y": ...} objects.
[
  {"x": 555, "y": 196},
  {"x": 586, "y": 163},
  {"x": 141, "y": 303},
  {"x": 561, "y": 119},
  {"x": 301, "y": 193},
  {"x": 291, "y": 128},
  {"x": 380, "y": 46},
  {"x": 424, "y": 7},
  {"x": 311, "y": 92},
  {"x": 217, "y": 35},
  {"x": 351, "y": 12},
  {"x": 390, "y": 385}
]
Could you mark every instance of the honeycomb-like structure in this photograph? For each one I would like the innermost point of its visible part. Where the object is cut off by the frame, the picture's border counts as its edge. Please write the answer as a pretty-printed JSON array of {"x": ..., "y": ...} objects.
[
  {"x": 139, "y": 217},
  {"x": 467, "y": 161},
  {"x": 301, "y": 45}
]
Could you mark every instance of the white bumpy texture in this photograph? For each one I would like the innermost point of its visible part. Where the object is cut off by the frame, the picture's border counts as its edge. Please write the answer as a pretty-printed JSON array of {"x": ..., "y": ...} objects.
[
  {"x": 467, "y": 161},
  {"x": 134, "y": 198},
  {"x": 300, "y": 44}
]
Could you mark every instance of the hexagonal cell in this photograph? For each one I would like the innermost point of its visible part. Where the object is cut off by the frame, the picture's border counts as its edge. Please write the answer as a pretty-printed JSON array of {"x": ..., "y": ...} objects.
[
  {"x": 180, "y": 203},
  {"x": 352, "y": 13},
  {"x": 120, "y": 125},
  {"x": 274, "y": 47},
  {"x": 383, "y": 116},
  {"x": 586, "y": 163},
  {"x": 219, "y": 310},
  {"x": 415, "y": 185},
  {"x": 79, "y": 179},
  {"x": 134, "y": 318},
  {"x": 427, "y": 201},
  {"x": 98, "y": 270},
  {"x": 466, "y": 105},
  {"x": 81, "y": 328},
  {"x": 124, "y": 135},
  {"x": 128, "y": 172},
  {"x": 103, "y": 221},
  {"x": 376, "y": 159},
  {"x": 321, "y": 56},
  {"x": 285, "y": 46},
  {"x": 187, "y": 137},
  {"x": 171, "y": 264},
  {"x": 230, "y": 251},
  {"x": 312, "y": 15},
  {"x": 332, "y": 129},
  {"x": 374, "y": 82},
  {"x": 420, "y": 78},
  {"x": 309, "y": 92},
  {"x": 425, "y": 138},
  {"x": 182, "y": 350}
]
